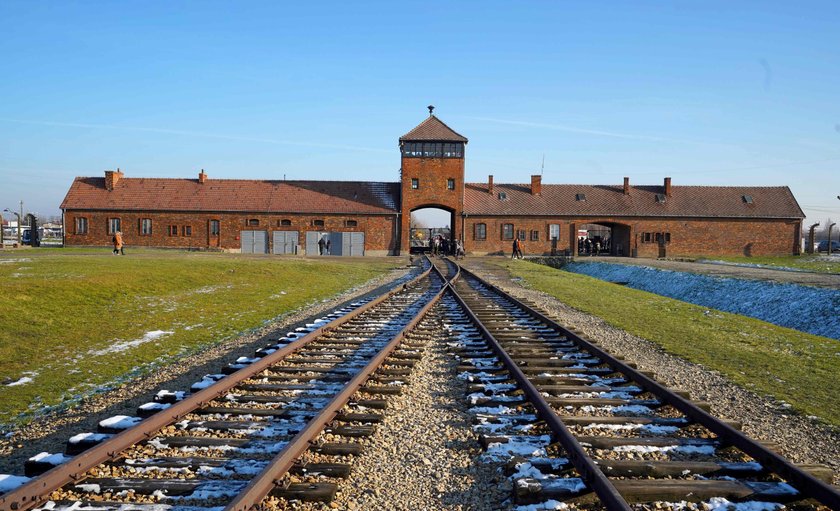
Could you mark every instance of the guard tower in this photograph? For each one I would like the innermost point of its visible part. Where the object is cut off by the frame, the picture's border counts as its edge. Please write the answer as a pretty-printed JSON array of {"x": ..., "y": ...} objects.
[{"x": 432, "y": 174}]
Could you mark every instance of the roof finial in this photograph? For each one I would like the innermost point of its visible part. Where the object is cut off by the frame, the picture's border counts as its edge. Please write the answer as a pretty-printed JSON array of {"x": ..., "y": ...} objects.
[{"x": 431, "y": 109}]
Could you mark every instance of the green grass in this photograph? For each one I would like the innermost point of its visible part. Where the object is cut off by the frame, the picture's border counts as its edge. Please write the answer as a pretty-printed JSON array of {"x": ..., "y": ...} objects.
[
  {"x": 814, "y": 263},
  {"x": 789, "y": 365},
  {"x": 61, "y": 310}
]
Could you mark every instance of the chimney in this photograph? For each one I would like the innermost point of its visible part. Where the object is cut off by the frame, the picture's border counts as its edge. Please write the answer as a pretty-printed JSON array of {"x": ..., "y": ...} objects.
[
  {"x": 536, "y": 184},
  {"x": 626, "y": 186},
  {"x": 667, "y": 187},
  {"x": 202, "y": 177},
  {"x": 112, "y": 177},
  {"x": 490, "y": 184}
]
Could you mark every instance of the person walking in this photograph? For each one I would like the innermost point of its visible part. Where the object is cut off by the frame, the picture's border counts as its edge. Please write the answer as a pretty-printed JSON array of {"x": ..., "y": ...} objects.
[
  {"x": 118, "y": 243},
  {"x": 328, "y": 245},
  {"x": 517, "y": 249},
  {"x": 321, "y": 245}
]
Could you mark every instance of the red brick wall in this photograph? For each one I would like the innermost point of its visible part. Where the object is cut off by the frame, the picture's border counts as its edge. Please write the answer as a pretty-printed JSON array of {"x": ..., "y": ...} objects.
[
  {"x": 708, "y": 237},
  {"x": 380, "y": 230},
  {"x": 433, "y": 174}
]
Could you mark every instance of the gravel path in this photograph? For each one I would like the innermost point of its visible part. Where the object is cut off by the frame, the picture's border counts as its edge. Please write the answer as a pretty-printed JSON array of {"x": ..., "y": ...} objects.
[
  {"x": 423, "y": 454},
  {"x": 800, "y": 439},
  {"x": 827, "y": 280},
  {"x": 50, "y": 432}
]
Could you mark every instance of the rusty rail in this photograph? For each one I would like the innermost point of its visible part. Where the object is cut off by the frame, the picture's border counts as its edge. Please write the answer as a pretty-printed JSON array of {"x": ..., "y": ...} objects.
[
  {"x": 30, "y": 494},
  {"x": 804, "y": 482},
  {"x": 589, "y": 471}
]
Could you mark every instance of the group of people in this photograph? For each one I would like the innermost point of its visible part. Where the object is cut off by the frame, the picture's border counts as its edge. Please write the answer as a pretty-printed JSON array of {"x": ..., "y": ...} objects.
[
  {"x": 517, "y": 249},
  {"x": 442, "y": 246},
  {"x": 592, "y": 246},
  {"x": 324, "y": 246}
]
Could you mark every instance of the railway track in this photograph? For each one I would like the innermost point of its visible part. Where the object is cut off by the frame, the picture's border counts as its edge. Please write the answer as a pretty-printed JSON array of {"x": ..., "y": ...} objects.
[
  {"x": 580, "y": 426},
  {"x": 235, "y": 436},
  {"x": 573, "y": 424}
]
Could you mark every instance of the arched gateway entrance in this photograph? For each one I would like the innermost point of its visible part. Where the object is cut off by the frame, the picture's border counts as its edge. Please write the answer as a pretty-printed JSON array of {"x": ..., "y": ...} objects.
[
  {"x": 429, "y": 224},
  {"x": 603, "y": 238}
]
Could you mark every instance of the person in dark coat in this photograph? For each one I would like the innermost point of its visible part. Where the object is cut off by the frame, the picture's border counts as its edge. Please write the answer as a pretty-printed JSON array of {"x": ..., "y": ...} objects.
[{"x": 321, "y": 244}]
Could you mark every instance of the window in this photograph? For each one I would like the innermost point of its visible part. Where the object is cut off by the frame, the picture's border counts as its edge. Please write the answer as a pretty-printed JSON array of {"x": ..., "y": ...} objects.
[
  {"x": 645, "y": 237},
  {"x": 81, "y": 225},
  {"x": 554, "y": 231},
  {"x": 113, "y": 225},
  {"x": 450, "y": 184},
  {"x": 318, "y": 223},
  {"x": 173, "y": 230},
  {"x": 415, "y": 183},
  {"x": 535, "y": 235},
  {"x": 145, "y": 226},
  {"x": 502, "y": 196},
  {"x": 214, "y": 227},
  {"x": 481, "y": 231},
  {"x": 667, "y": 237},
  {"x": 747, "y": 199},
  {"x": 580, "y": 196},
  {"x": 433, "y": 149},
  {"x": 507, "y": 231},
  {"x": 285, "y": 221},
  {"x": 521, "y": 234},
  {"x": 351, "y": 223},
  {"x": 660, "y": 198},
  {"x": 186, "y": 230},
  {"x": 657, "y": 237},
  {"x": 253, "y": 222}
]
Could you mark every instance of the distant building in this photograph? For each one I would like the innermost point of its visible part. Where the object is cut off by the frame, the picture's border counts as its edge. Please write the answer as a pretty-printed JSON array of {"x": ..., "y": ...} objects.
[{"x": 373, "y": 218}]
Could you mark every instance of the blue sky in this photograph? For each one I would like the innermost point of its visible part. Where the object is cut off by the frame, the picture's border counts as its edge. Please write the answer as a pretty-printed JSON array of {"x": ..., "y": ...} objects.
[{"x": 709, "y": 93}]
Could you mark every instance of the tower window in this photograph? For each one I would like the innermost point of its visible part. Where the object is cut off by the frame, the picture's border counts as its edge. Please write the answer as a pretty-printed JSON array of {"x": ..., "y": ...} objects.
[
  {"x": 450, "y": 183},
  {"x": 415, "y": 183},
  {"x": 433, "y": 149}
]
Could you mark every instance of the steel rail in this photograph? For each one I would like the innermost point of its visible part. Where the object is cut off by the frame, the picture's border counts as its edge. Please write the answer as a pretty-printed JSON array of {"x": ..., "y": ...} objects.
[
  {"x": 589, "y": 471},
  {"x": 33, "y": 492},
  {"x": 801, "y": 480},
  {"x": 261, "y": 485}
]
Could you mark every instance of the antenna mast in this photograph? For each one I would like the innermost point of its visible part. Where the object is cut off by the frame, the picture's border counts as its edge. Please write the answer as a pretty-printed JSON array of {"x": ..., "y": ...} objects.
[{"x": 542, "y": 167}]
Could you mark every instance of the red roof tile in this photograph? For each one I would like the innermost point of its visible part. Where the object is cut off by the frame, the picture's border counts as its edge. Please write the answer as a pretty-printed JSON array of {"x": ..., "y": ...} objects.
[
  {"x": 435, "y": 130},
  {"x": 159, "y": 194},
  {"x": 685, "y": 201}
]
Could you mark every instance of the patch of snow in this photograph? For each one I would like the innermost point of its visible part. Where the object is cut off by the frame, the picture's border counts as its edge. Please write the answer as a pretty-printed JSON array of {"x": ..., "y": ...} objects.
[
  {"x": 804, "y": 308},
  {"x": 24, "y": 380},
  {"x": 120, "y": 422},
  {"x": 9, "y": 482},
  {"x": 154, "y": 406},
  {"x": 92, "y": 437},
  {"x": 89, "y": 488},
  {"x": 52, "y": 459},
  {"x": 126, "y": 345},
  {"x": 547, "y": 505}
]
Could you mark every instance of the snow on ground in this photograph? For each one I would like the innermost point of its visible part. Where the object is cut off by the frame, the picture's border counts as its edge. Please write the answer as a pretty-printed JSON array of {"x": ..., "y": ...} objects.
[
  {"x": 125, "y": 345},
  {"x": 804, "y": 308}
]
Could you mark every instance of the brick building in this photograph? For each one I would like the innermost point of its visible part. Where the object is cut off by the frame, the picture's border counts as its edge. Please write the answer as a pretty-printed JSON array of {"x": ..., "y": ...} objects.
[{"x": 373, "y": 218}]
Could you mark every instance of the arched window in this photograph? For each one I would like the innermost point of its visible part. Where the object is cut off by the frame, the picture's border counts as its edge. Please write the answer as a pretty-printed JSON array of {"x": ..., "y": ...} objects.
[
  {"x": 285, "y": 221},
  {"x": 351, "y": 223},
  {"x": 318, "y": 223},
  {"x": 253, "y": 221}
]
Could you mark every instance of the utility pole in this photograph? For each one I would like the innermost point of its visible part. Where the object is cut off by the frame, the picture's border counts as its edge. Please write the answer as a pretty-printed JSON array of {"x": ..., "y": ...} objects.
[{"x": 20, "y": 224}]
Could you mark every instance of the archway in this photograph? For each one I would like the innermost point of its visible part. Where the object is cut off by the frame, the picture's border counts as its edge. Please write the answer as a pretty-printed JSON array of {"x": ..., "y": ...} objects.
[
  {"x": 603, "y": 238},
  {"x": 428, "y": 223}
]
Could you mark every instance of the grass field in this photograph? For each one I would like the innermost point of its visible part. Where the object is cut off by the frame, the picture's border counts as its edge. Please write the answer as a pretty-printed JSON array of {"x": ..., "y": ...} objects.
[
  {"x": 75, "y": 320},
  {"x": 814, "y": 263},
  {"x": 798, "y": 368}
]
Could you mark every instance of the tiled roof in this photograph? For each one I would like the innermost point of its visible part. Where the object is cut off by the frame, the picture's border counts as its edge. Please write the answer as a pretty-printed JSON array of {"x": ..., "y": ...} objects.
[
  {"x": 435, "y": 130},
  {"x": 684, "y": 201},
  {"x": 156, "y": 194}
]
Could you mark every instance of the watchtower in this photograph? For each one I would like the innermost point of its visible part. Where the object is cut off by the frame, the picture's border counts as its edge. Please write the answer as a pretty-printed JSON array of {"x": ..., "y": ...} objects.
[{"x": 432, "y": 173}]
